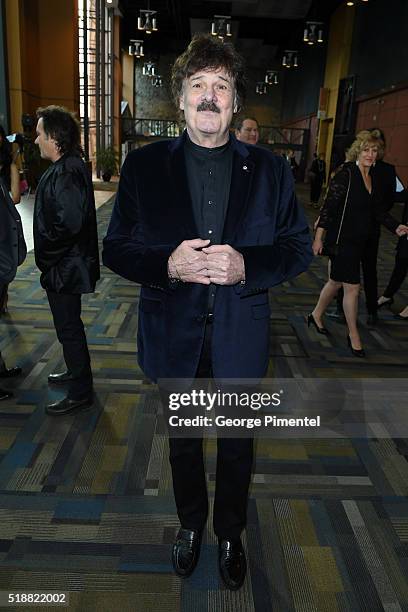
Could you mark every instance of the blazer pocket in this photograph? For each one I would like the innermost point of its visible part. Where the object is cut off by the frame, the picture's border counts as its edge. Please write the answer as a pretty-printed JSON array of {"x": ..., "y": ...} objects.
[
  {"x": 260, "y": 311},
  {"x": 150, "y": 306}
]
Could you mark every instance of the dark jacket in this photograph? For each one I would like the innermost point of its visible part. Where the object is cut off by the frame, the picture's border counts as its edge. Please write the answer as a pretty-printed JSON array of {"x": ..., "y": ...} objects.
[
  {"x": 318, "y": 171},
  {"x": 153, "y": 214},
  {"x": 12, "y": 245},
  {"x": 332, "y": 209},
  {"x": 402, "y": 246},
  {"x": 65, "y": 233}
]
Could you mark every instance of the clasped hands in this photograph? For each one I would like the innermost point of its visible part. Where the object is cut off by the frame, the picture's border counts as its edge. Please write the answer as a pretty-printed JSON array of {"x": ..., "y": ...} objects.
[{"x": 194, "y": 261}]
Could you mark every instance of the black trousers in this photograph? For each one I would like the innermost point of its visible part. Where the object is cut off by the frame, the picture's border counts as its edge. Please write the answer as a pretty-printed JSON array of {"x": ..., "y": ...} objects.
[
  {"x": 315, "y": 190},
  {"x": 370, "y": 280},
  {"x": 369, "y": 265},
  {"x": 66, "y": 312},
  {"x": 233, "y": 475},
  {"x": 397, "y": 277}
]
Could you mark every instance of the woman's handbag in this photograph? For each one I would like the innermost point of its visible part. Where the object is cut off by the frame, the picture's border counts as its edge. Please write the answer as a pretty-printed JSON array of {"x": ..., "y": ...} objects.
[{"x": 330, "y": 249}]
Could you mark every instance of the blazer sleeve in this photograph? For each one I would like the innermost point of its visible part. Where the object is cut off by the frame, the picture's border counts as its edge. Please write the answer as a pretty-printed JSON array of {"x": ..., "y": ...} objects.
[
  {"x": 124, "y": 249},
  {"x": 334, "y": 199},
  {"x": 290, "y": 251}
]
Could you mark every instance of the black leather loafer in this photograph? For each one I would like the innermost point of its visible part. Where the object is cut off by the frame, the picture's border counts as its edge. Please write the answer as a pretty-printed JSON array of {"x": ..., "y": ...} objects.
[
  {"x": 186, "y": 551},
  {"x": 68, "y": 406},
  {"x": 10, "y": 372},
  {"x": 5, "y": 394},
  {"x": 232, "y": 563},
  {"x": 59, "y": 378}
]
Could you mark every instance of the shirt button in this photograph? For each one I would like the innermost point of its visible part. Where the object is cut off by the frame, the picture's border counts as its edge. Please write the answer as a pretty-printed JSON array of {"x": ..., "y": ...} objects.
[
  {"x": 210, "y": 231},
  {"x": 210, "y": 201}
]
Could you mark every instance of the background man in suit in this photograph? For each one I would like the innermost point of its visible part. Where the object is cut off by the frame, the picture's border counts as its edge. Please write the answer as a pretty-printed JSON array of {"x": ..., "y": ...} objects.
[
  {"x": 317, "y": 177},
  {"x": 66, "y": 248},
  {"x": 206, "y": 225},
  {"x": 247, "y": 130}
]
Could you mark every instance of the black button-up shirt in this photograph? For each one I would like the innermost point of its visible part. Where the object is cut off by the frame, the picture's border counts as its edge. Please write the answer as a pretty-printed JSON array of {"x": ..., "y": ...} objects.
[{"x": 209, "y": 178}]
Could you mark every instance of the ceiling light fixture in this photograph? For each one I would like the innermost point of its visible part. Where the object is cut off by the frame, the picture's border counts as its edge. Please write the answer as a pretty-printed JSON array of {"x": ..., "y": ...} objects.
[
  {"x": 271, "y": 77},
  {"x": 221, "y": 26},
  {"x": 147, "y": 21},
  {"x": 149, "y": 69},
  {"x": 136, "y": 48},
  {"x": 313, "y": 32},
  {"x": 261, "y": 88},
  {"x": 157, "y": 81},
  {"x": 290, "y": 58}
]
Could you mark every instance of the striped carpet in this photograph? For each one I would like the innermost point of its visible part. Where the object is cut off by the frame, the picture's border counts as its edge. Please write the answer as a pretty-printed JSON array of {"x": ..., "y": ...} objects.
[{"x": 86, "y": 501}]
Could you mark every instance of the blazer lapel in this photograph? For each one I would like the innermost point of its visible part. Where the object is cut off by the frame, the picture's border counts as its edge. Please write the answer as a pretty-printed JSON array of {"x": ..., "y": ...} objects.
[
  {"x": 241, "y": 179},
  {"x": 178, "y": 177}
]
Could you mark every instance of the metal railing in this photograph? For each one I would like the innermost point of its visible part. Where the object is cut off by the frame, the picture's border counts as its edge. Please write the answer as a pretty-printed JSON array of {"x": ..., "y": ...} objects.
[{"x": 149, "y": 128}]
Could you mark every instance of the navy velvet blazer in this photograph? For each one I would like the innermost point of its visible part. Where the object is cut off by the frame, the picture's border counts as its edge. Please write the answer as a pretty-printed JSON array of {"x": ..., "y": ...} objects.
[{"x": 153, "y": 214}]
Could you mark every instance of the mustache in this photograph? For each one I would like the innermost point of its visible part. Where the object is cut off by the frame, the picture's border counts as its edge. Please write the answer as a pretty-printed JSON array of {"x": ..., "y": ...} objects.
[{"x": 208, "y": 106}]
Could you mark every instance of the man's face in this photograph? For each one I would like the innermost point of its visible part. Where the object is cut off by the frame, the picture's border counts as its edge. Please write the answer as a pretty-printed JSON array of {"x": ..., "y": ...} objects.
[
  {"x": 208, "y": 102},
  {"x": 47, "y": 145},
  {"x": 249, "y": 132}
]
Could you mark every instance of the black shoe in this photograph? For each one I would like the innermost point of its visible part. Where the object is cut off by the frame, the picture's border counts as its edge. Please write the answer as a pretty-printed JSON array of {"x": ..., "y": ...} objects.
[
  {"x": 5, "y": 394},
  {"x": 372, "y": 320},
  {"x": 186, "y": 550},
  {"x": 336, "y": 315},
  {"x": 355, "y": 352},
  {"x": 10, "y": 372},
  {"x": 68, "y": 406},
  {"x": 59, "y": 378},
  {"x": 232, "y": 563},
  {"x": 320, "y": 330}
]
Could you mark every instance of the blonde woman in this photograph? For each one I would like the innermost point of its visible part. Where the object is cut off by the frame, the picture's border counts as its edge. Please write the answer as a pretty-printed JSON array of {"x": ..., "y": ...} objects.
[{"x": 345, "y": 221}]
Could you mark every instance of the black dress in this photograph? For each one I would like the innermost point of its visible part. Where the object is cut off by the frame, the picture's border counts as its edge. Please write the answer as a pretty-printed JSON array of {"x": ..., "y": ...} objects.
[{"x": 352, "y": 233}]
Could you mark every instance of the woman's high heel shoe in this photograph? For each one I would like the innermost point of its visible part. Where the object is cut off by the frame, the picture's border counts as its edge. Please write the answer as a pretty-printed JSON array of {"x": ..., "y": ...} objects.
[
  {"x": 355, "y": 352},
  {"x": 320, "y": 330}
]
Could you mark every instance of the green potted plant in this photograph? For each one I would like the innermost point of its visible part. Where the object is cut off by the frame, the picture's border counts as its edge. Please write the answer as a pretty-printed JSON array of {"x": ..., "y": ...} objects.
[{"x": 108, "y": 162}]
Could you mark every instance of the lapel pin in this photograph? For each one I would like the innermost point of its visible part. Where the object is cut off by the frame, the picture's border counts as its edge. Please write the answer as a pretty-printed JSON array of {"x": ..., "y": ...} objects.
[{"x": 245, "y": 168}]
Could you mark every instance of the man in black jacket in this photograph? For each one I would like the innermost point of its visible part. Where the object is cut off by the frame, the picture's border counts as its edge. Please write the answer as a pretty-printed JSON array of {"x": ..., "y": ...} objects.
[
  {"x": 66, "y": 248},
  {"x": 10, "y": 256}
]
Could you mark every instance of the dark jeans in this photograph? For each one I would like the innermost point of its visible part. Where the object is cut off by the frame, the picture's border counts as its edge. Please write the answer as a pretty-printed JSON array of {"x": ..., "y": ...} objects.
[
  {"x": 66, "y": 312},
  {"x": 233, "y": 475}
]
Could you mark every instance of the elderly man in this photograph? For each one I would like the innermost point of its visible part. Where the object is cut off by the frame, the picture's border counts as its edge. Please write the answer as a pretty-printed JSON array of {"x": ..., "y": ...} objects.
[
  {"x": 247, "y": 130},
  {"x": 206, "y": 225},
  {"x": 66, "y": 249}
]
